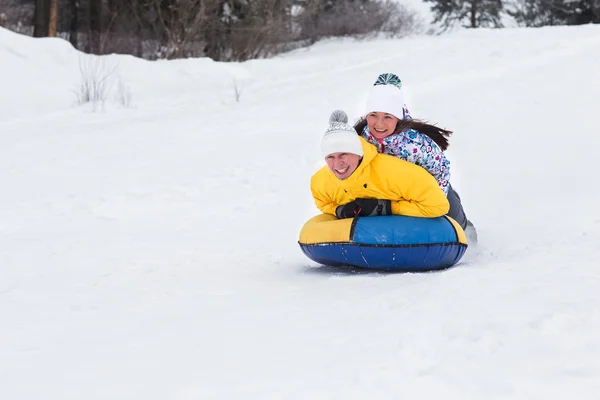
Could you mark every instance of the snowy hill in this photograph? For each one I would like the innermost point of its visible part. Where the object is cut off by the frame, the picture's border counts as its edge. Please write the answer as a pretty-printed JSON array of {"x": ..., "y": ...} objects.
[{"x": 150, "y": 251}]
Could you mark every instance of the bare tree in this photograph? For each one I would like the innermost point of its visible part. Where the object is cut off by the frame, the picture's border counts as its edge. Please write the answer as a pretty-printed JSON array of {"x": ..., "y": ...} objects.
[
  {"x": 133, "y": 9},
  {"x": 180, "y": 23},
  {"x": 94, "y": 40},
  {"x": 354, "y": 18},
  {"x": 113, "y": 14},
  {"x": 18, "y": 15},
  {"x": 224, "y": 30},
  {"x": 256, "y": 29}
]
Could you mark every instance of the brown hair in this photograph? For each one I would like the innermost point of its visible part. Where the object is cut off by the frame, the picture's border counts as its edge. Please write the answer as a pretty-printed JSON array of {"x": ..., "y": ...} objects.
[{"x": 438, "y": 135}]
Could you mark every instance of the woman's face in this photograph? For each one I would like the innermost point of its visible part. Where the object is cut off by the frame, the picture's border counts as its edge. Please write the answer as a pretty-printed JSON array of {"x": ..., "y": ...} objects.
[
  {"x": 381, "y": 124},
  {"x": 342, "y": 164}
]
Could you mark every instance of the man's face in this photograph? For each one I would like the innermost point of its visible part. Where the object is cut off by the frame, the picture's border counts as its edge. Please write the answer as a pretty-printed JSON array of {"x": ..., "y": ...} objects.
[{"x": 342, "y": 164}]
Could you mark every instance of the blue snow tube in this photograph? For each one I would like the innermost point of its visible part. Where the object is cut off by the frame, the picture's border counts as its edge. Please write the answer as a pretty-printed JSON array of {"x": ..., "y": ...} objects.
[{"x": 390, "y": 243}]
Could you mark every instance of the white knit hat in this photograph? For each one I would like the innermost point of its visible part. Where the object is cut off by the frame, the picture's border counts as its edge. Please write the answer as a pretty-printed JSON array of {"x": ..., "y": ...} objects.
[
  {"x": 340, "y": 137},
  {"x": 386, "y": 96}
]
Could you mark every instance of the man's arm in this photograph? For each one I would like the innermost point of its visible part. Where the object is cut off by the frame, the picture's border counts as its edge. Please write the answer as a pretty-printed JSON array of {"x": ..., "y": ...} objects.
[
  {"x": 420, "y": 193},
  {"x": 323, "y": 201}
]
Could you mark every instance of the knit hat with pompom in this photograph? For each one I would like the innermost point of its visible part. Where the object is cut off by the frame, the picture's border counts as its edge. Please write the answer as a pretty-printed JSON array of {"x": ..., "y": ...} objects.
[
  {"x": 386, "y": 96},
  {"x": 340, "y": 137}
]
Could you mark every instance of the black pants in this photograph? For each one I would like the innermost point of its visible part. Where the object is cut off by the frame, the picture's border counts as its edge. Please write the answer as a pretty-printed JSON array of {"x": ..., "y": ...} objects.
[{"x": 456, "y": 212}]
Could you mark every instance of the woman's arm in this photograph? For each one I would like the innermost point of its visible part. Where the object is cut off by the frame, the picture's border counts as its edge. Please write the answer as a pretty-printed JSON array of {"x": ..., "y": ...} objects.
[{"x": 425, "y": 153}]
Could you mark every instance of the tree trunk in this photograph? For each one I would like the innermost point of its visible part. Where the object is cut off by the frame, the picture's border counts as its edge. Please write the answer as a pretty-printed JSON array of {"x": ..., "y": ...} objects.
[
  {"x": 474, "y": 14},
  {"x": 41, "y": 18},
  {"x": 74, "y": 29},
  {"x": 94, "y": 42},
  {"x": 53, "y": 18}
]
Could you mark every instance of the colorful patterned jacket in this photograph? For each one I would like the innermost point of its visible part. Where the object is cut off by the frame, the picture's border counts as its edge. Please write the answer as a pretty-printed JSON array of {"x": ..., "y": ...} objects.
[{"x": 417, "y": 148}]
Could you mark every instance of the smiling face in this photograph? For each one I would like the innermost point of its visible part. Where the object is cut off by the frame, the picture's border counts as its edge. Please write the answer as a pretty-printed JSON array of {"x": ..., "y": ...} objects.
[
  {"x": 381, "y": 125},
  {"x": 342, "y": 164}
]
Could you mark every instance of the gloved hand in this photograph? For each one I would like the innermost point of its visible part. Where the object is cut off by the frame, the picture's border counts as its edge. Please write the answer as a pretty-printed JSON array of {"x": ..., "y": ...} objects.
[
  {"x": 347, "y": 210},
  {"x": 365, "y": 208},
  {"x": 374, "y": 207}
]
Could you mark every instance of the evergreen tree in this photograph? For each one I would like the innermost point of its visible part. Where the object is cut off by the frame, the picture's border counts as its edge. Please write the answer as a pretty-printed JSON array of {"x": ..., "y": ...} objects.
[
  {"x": 471, "y": 13},
  {"x": 579, "y": 12},
  {"x": 555, "y": 12}
]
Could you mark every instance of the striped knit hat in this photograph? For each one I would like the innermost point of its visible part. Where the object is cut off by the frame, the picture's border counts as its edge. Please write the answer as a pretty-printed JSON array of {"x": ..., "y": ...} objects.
[{"x": 340, "y": 137}]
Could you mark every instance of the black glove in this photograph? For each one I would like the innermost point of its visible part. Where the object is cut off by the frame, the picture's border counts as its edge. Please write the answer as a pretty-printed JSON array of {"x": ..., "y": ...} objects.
[
  {"x": 347, "y": 210},
  {"x": 374, "y": 207},
  {"x": 365, "y": 208}
]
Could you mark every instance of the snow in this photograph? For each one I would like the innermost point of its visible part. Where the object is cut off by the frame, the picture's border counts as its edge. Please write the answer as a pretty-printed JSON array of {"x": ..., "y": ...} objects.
[{"x": 150, "y": 251}]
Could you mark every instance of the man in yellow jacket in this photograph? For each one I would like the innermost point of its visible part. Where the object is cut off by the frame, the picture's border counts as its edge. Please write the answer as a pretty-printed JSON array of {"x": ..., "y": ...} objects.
[{"x": 360, "y": 181}]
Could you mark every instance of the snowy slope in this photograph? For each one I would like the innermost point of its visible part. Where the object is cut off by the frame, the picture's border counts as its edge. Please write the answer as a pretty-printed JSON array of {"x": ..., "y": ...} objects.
[{"x": 151, "y": 252}]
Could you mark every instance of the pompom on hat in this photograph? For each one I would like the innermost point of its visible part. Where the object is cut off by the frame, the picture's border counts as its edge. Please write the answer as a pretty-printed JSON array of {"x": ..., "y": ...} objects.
[
  {"x": 340, "y": 137},
  {"x": 386, "y": 96}
]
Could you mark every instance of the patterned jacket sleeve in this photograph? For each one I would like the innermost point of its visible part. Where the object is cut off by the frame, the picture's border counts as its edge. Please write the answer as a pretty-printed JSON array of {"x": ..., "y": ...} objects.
[{"x": 423, "y": 151}]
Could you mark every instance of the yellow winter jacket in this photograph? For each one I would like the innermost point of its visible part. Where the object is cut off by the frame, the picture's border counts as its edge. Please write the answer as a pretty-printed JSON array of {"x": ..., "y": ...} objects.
[{"x": 411, "y": 189}]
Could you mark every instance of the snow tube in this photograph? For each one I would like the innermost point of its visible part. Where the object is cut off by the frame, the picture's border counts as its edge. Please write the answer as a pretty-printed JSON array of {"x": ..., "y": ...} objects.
[{"x": 390, "y": 243}]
